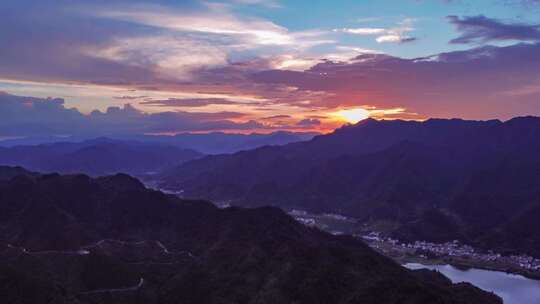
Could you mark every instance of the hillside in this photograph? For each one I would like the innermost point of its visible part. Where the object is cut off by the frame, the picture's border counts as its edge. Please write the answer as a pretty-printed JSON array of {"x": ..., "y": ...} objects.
[
  {"x": 74, "y": 239},
  {"x": 480, "y": 177}
]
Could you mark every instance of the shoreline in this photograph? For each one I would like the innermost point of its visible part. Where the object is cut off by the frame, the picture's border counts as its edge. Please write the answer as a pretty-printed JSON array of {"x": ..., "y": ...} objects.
[{"x": 466, "y": 266}]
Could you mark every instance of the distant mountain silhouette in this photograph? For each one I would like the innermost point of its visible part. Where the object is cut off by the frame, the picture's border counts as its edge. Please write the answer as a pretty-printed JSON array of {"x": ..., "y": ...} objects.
[
  {"x": 97, "y": 157},
  {"x": 74, "y": 239},
  {"x": 7, "y": 173},
  {"x": 479, "y": 179},
  {"x": 207, "y": 143}
]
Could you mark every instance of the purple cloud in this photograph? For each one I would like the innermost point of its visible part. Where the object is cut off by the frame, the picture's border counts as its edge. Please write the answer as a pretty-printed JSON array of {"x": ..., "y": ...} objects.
[
  {"x": 276, "y": 117},
  {"x": 308, "y": 122},
  {"x": 408, "y": 39},
  {"x": 484, "y": 82},
  {"x": 43, "y": 42},
  {"x": 188, "y": 102},
  {"x": 27, "y": 116},
  {"x": 481, "y": 29},
  {"x": 127, "y": 97}
]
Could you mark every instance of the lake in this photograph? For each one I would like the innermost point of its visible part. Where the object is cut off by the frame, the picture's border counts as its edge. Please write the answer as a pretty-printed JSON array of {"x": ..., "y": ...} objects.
[{"x": 514, "y": 289}]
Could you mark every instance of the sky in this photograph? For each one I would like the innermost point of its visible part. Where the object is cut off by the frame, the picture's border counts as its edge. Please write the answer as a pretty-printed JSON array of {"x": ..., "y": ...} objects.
[{"x": 166, "y": 67}]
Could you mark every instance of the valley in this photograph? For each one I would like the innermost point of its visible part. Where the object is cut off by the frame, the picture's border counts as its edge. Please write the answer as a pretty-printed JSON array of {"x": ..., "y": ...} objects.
[{"x": 427, "y": 253}]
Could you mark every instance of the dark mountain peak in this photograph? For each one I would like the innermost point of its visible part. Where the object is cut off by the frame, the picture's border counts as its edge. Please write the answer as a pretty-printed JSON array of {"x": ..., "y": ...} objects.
[
  {"x": 431, "y": 122},
  {"x": 372, "y": 134},
  {"x": 368, "y": 121},
  {"x": 522, "y": 134},
  {"x": 362, "y": 123},
  {"x": 524, "y": 121},
  {"x": 527, "y": 118},
  {"x": 121, "y": 182},
  {"x": 458, "y": 122},
  {"x": 50, "y": 176},
  {"x": 372, "y": 123},
  {"x": 445, "y": 121},
  {"x": 7, "y": 172}
]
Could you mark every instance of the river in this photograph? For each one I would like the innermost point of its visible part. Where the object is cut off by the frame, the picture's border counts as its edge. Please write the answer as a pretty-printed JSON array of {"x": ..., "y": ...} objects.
[{"x": 513, "y": 289}]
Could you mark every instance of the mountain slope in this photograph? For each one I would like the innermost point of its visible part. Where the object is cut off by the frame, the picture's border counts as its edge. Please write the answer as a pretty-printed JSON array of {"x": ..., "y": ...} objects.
[
  {"x": 74, "y": 239},
  {"x": 477, "y": 175}
]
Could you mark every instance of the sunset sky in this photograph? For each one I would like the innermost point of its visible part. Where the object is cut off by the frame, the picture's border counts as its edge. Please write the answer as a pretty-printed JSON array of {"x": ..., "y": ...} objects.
[{"x": 262, "y": 65}]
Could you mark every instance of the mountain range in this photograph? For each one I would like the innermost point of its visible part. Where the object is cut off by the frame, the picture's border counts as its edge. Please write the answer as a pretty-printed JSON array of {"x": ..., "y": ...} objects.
[
  {"x": 77, "y": 239},
  {"x": 224, "y": 143},
  {"x": 206, "y": 143},
  {"x": 98, "y": 156},
  {"x": 436, "y": 180}
]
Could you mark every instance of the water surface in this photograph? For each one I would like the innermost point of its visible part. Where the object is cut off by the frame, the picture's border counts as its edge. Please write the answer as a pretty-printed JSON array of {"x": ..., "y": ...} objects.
[{"x": 513, "y": 289}]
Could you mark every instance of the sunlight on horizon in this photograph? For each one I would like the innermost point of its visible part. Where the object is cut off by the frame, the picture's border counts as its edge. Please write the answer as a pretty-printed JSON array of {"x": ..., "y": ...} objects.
[{"x": 352, "y": 115}]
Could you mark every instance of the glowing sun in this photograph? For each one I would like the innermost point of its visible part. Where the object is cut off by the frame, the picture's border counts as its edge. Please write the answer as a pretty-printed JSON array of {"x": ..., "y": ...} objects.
[{"x": 352, "y": 115}]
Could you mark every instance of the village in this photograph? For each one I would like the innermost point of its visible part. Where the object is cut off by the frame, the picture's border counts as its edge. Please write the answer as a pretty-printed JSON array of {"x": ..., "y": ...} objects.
[{"x": 453, "y": 253}]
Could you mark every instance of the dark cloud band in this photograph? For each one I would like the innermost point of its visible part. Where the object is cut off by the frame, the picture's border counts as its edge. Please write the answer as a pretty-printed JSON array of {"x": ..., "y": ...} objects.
[{"x": 481, "y": 29}]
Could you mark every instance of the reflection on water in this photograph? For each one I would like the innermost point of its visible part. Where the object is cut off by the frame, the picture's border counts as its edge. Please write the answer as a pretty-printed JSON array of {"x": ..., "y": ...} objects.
[{"x": 514, "y": 289}]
